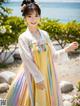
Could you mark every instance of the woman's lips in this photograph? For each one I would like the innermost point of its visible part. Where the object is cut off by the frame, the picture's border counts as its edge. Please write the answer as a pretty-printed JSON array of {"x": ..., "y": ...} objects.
[{"x": 33, "y": 23}]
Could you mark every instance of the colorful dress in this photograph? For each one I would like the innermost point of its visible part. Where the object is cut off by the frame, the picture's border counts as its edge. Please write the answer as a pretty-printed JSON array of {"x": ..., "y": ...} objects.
[{"x": 38, "y": 57}]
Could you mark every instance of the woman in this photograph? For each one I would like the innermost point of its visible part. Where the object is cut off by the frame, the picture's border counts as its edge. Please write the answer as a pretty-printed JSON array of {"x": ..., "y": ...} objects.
[{"x": 37, "y": 83}]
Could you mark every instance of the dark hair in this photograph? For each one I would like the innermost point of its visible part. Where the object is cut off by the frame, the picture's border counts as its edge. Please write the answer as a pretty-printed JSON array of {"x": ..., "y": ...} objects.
[{"x": 28, "y": 6}]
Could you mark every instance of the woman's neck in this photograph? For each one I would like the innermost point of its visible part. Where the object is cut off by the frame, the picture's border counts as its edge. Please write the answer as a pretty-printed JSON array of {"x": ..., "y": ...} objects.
[
  {"x": 35, "y": 32},
  {"x": 33, "y": 29}
]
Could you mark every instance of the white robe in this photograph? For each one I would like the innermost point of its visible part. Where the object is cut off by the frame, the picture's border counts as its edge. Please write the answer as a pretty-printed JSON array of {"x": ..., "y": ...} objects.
[{"x": 30, "y": 67}]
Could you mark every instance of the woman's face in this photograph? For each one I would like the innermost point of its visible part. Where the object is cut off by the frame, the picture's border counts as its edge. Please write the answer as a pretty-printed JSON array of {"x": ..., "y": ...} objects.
[{"x": 32, "y": 19}]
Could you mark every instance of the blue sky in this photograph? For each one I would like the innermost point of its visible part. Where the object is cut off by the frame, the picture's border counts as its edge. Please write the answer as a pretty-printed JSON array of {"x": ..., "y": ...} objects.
[
  {"x": 60, "y": 0},
  {"x": 53, "y": 0}
]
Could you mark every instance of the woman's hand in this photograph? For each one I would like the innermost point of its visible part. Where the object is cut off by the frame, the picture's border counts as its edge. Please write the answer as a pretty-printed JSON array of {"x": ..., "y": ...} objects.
[
  {"x": 40, "y": 85},
  {"x": 72, "y": 46}
]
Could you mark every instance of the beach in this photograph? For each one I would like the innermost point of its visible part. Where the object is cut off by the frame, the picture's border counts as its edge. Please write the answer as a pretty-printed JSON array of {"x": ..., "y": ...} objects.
[{"x": 69, "y": 71}]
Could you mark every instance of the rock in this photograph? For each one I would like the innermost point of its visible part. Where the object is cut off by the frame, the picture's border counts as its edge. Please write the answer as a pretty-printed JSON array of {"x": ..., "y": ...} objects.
[
  {"x": 0, "y": 99},
  {"x": 4, "y": 87},
  {"x": 16, "y": 54},
  {"x": 67, "y": 103},
  {"x": 66, "y": 86},
  {"x": 3, "y": 102},
  {"x": 67, "y": 97},
  {"x": 7, "y": 77},
  {"x": 3, "y": 57}
]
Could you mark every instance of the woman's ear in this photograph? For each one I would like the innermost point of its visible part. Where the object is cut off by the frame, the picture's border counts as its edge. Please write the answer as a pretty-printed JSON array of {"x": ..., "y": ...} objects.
[{"x": 25, "y": 21}]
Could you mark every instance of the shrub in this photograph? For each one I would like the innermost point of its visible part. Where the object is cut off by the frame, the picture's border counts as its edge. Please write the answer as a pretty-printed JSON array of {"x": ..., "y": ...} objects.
[
  {"x": 63, "y": 33},
  {"x": 78, "y": 86},
  {"x": 55, "y": 30},
  {"x": 73, "y": 31},
  {"x": 10, "y": 29},
  {"x": 76, "y": 99}
]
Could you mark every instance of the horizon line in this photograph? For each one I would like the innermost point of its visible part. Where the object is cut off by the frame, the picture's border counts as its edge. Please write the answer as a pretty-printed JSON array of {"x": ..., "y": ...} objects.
[{"x": 50, "y": 1}]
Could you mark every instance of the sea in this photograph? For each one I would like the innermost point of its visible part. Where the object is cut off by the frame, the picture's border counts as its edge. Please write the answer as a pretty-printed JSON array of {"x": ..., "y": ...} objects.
[{"x": 63, "y": 11}]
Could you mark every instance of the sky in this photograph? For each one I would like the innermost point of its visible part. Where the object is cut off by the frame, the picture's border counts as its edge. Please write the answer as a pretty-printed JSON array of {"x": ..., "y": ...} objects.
[
  {"x": 53, "y": 0},
  {"x": 60, "y": 0}
]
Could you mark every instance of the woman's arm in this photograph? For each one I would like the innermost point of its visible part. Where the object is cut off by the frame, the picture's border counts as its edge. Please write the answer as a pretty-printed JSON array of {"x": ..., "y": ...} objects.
[
  {"x": 28, "y": 60},
  {"x": 62, "y": 55}
]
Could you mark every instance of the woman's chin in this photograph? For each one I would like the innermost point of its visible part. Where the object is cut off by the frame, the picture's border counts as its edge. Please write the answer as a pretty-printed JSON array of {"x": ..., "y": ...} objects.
[{"x": 34, "y": 25}]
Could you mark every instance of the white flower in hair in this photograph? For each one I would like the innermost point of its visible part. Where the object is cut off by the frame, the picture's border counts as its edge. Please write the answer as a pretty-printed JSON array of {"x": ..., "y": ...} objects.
[{"x": 23, "y": 7}]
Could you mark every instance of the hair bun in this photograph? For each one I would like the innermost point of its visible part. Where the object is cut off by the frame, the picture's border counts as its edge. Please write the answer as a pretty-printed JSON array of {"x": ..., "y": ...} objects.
[
  {"x": 23, "y": 7},
  {"x": 25, "y": 3},
  {"x": 28, "y": 5}
]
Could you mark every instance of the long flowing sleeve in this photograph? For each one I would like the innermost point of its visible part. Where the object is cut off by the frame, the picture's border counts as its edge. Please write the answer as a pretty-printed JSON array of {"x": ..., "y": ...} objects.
[
  {"x": 59, "y": 55},
  {"x": 27, "y": 60}
]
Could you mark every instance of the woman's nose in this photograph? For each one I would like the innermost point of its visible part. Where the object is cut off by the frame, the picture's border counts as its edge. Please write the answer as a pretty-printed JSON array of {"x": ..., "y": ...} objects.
[{"x": 32, "y": 19}]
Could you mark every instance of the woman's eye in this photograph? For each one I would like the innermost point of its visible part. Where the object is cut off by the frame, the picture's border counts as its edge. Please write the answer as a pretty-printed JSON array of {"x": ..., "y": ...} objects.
[
  {"x": 29, "y": 16},
  {"x": 36, "y": 16}
]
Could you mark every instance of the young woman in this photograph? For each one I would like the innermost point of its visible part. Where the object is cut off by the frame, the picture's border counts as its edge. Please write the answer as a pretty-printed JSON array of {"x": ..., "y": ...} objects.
[{"x": 37, "y": 83}]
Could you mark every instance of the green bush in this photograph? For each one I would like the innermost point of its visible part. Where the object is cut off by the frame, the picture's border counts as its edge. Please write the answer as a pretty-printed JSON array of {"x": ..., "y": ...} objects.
[
  {"x": 10, "y": 29},
  {"x": 76, "y": 99},
  {"x": 73, "y": 31},
  {"x": 55, "y": 30},
  {"x": 62, "y": 32},
  {"x": 78, "y": 86}
]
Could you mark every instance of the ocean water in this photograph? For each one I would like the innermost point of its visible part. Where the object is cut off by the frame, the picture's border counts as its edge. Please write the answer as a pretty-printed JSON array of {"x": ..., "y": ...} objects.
[{"x": 63, "y": 11}]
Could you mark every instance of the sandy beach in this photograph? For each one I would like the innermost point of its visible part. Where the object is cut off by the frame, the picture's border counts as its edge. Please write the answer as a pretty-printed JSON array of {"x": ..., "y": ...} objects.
[{"x": 69, "y": 71}]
